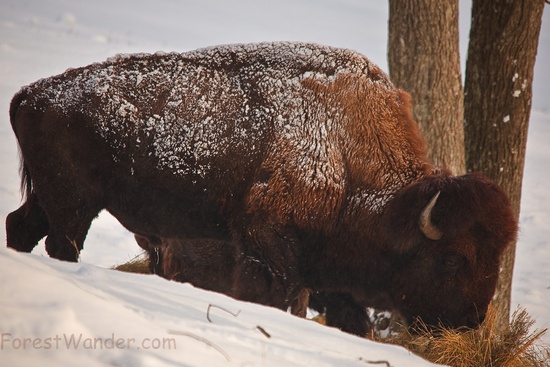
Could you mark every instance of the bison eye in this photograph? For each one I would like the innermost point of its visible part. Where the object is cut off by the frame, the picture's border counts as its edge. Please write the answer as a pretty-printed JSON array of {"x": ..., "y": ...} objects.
[{"x": 451, "y": 264}]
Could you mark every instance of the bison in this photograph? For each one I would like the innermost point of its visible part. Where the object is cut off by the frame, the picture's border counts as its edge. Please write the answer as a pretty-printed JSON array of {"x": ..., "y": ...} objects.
[{"x": 303, "y": 157}]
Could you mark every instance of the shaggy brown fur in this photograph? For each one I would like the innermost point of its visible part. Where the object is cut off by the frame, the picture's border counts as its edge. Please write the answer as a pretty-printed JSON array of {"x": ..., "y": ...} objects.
[
  {"x": 212, "y": 265},
  {"x": 303, "y": 157}
]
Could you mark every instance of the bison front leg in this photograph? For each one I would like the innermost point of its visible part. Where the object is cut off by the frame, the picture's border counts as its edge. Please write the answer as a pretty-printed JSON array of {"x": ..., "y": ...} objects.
[
  {"x": 299, "y": 305},
  {"x": 268, "y": 265},
  {"x": 26, "y": 226},
  {"x": 342, "y": 312}
]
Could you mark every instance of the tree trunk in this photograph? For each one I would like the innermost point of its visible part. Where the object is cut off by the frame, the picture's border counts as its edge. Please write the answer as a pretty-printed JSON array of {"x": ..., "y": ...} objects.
[
  {"x": 423, "y": 58},
  {"x": 499, "y": 75}
]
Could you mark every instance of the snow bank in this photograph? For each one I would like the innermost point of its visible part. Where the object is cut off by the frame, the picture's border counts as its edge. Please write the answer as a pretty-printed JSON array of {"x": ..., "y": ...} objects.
[{"x": 57, "y": 313}]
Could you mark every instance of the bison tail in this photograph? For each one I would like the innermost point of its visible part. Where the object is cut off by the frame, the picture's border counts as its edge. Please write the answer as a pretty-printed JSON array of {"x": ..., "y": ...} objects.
[{"x": 26, "y": 182}]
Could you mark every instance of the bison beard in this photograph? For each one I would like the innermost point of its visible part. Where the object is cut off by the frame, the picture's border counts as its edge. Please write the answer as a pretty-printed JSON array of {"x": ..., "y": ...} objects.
[{"x": 288, "y": 167}]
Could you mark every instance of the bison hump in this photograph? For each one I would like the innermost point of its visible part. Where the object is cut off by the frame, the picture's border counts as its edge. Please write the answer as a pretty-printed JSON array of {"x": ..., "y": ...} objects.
[{"x": 189, "y": 111}]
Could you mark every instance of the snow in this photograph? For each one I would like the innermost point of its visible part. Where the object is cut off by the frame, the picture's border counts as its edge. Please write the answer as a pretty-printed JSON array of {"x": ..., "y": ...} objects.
[
  {"x": 79, "y": 314},
  {"x": 45, "y": 301}
]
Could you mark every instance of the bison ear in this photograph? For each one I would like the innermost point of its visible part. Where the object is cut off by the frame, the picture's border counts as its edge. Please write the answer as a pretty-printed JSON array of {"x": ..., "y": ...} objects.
[{"x": 425, "y": 221}]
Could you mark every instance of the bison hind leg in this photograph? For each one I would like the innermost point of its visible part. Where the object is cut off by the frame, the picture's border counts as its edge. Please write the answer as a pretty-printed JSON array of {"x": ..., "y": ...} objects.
[
  {"x": 26, "y": 226},
  {"x": 68, "y": 230}
]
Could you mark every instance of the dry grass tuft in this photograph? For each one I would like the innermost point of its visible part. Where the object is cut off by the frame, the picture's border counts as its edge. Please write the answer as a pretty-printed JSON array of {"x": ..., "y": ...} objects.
[
  {"x": 320, "y": 319},
  {"x": 481, "y": 347},
  {"x": 138, "y": 264}
]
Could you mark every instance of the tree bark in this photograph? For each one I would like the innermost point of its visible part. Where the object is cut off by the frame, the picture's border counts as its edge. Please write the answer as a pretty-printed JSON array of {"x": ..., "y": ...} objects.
[
  {"x": 498, "y": 90},
  {"x": 424, "y": 60}
]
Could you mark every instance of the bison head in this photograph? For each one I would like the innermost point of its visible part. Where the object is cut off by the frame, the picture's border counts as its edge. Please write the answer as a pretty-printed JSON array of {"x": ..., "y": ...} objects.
[{"x": 446, "y": 235}]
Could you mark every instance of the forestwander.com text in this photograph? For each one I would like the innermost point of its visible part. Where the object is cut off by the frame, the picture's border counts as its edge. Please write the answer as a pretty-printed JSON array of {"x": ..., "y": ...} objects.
[{"x": 81, "y": 341}]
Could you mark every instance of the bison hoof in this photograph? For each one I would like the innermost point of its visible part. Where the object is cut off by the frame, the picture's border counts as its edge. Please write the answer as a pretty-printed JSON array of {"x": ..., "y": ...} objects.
[
  {"x": 20, "y": 246},
  {"x": 65, "y": 252}
]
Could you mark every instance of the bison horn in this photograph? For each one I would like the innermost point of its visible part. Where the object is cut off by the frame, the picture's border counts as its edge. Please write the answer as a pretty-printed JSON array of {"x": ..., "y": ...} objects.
[{"x": 426, "y": 225}]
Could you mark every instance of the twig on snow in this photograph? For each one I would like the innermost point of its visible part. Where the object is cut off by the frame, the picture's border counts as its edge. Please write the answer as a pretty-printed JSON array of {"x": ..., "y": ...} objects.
[
  {"x": 386, "y": 363},
  {"x": 210, "y": 306},
  {"x": 201, "y": 339},
  {"x": 219, "y": 308},
  {"x": 262, "y": 330}
]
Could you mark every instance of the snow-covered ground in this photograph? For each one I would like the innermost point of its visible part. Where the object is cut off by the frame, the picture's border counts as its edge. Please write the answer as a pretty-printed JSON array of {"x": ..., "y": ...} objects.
[
  {"x": 60, "y": 314},
  {"x": 42, "y": 298}
]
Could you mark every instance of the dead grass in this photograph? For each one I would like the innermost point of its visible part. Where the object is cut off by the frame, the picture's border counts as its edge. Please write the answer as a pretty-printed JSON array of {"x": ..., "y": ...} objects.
[
  {"x": 138, "y": 264},
  {"x": 481, "y": 347}
]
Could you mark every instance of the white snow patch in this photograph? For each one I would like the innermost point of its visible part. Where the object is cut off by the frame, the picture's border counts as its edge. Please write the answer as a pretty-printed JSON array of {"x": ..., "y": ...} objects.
[
  {"x": 68, "y": 19},
  {"x": 77, "y": 314},
  {"x": 100, "y": 38}
]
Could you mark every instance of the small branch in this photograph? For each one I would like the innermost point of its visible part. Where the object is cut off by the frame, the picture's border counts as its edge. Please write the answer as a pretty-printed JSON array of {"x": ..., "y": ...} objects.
[
  {"x": 73, "y": 242},
  {"x": 210, "y": 306},
  {"x": 219, "y": 308},
  {"x": 201, "y": 339},
  {"x": 386, "y": 363},
  {"x": 262, "y": 330}
]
